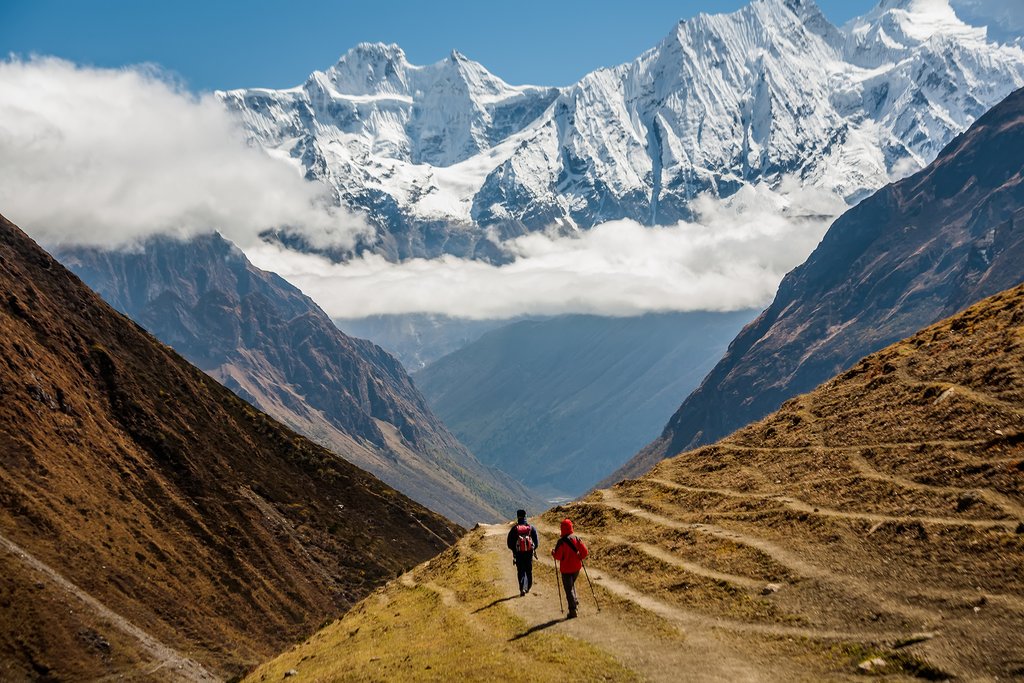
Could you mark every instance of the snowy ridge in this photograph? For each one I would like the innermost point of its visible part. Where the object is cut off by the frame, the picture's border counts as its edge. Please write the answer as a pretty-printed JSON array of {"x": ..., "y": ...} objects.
[{"x": 446, "y": 158}]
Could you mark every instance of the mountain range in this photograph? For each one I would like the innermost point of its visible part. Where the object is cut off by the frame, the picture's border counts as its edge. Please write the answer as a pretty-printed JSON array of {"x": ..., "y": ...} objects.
[
  {"x": 450, "y": 159},
  {"x": 273, "y": 346},
  {"x": 153, "y": 526},
  {"x": 842, "y": 496},
  {"x": 913, "y": 253}
]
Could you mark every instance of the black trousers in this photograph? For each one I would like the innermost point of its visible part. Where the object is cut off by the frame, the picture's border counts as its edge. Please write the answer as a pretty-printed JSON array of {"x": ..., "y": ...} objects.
[
  {"x": 569, "y": 583},
  {"x": 524, "y": 570}
]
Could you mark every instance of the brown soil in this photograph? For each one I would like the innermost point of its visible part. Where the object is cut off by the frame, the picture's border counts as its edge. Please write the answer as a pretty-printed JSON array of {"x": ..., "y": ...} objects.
[{"x": 152, "y": 524}]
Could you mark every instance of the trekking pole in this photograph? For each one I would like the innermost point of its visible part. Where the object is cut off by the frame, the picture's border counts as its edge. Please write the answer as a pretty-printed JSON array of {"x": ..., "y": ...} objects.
[
  {"x": 557, "y": 586},
  {"x": 587, "y": 574}
]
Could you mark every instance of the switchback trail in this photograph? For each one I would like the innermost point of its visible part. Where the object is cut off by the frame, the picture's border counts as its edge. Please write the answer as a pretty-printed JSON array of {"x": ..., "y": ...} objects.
[{"x": 658, "y": 639}]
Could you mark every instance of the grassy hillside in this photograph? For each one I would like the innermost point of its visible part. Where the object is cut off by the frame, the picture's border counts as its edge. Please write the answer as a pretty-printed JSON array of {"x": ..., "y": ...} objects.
[
  {"x": 152, "y": 524},
  {"x": 872, "y": 527}
]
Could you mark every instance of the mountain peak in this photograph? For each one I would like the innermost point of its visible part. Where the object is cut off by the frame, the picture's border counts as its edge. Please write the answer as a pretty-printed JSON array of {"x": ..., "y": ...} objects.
[
  {"x": 371, "y": 69},
  {"x": 387, "y": 51},
  {"x": 906, "y": 23},
  {"x": 801, "y": 8}
]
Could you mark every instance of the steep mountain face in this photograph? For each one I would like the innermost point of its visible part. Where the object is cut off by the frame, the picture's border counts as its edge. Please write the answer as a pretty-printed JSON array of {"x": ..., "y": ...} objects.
[
  {"x": 447, "y": 158},
  {"x": 911, "y": 254},
  {"x": 564, "y": 400},
  {"x": 274, "y": 347},
  {"x": 873, "y": 527},
  {"x": 146, "y": 511}
]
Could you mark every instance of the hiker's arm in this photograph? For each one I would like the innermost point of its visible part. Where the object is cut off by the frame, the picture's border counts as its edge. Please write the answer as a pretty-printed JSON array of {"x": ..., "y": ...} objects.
[
  {"x": 510, "y": 541},
  {"x": 583, "y": 550},
  {"x": 536, "y": 537}
]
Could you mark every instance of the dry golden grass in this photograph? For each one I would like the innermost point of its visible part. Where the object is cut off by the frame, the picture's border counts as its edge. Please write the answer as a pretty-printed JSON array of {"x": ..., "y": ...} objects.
[{"x": 442, "y": 621}]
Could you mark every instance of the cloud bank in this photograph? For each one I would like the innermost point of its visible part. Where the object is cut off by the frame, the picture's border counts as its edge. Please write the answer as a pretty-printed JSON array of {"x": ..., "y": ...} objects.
[
  {"x": 105, "y": 157},
  {"x": 731, "y": 258}
]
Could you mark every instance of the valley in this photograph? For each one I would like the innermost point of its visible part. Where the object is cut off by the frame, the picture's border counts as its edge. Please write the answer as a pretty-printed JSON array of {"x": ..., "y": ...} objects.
[
  {"x": 558, "y": 403},
  {"x": 279, "y": 364},
  {"x": 152, "y": 524},
  {"x": 274, "y": 347}
]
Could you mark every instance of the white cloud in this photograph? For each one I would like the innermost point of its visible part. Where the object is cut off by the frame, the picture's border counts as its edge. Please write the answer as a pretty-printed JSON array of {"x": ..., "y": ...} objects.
[
  {"x": 732, "y": 258},
  {"x": 105, "y": 157}
]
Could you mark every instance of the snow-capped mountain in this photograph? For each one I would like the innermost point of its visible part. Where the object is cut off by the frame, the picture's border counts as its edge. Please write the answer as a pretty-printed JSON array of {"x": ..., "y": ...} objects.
[{"x": 448, "y": 158}]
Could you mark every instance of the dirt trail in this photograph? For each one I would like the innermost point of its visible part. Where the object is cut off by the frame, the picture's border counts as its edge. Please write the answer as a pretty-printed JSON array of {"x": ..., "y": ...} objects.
[
  {"x": 869, "y": 471},
  {"x": 801, "y": 506},
  {"x": 692, "y": 567},
  {"x": 791, "y": 561},
  {"x": 662, "y": 641},
  {"x": 171, "y": 664},
  {"x": 656, "y": 654}
]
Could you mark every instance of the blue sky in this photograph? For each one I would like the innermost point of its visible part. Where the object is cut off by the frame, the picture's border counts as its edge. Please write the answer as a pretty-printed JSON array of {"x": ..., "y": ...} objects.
[{"x": 276, "y": 43}]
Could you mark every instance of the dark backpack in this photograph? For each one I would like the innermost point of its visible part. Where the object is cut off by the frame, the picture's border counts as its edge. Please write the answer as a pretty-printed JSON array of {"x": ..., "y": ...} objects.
[
  {"x": 524, "y": 538},
  {"x": 568, "y": 541}
]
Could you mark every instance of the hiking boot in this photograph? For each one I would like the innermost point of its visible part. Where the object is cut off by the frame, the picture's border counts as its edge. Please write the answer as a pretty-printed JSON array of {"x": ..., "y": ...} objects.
[
  {"x": 571, "y": 615},
  {"x": 522, "y": 593}
]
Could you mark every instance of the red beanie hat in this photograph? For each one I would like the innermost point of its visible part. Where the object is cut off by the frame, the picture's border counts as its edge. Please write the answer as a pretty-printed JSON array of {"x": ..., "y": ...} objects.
[{"x": 566, "y": 527}]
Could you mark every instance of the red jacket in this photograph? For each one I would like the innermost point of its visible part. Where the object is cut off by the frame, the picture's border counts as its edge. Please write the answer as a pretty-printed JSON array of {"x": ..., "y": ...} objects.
[{"x": 570, "y": 551}]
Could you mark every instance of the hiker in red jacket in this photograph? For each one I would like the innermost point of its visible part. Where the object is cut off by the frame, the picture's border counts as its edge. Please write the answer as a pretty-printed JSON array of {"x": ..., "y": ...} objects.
[{"x": 570, "y": 551}]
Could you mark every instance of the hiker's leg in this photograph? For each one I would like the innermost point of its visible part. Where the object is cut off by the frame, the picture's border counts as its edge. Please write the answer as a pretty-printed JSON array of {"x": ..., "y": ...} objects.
[
  {"x": 521, "y": 574},
  {"x": 528, "y": 568},
  {"x": 569, "y": 583}
]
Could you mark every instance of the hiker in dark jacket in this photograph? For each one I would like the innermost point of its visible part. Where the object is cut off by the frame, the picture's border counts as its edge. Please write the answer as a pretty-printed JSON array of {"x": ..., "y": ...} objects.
[
  {"x": 523, "y": 541},
  {"x": 570, "y": 551}
]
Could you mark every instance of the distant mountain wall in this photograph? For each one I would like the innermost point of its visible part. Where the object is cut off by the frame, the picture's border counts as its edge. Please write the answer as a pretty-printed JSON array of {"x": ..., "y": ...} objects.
[
  {"x": 561, "y": 403},
  {"x": 444, "y": 158},
  {"x": 273, "y": 346}
]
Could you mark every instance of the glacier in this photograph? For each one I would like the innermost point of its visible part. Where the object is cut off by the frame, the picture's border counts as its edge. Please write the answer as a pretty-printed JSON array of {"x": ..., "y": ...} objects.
[{"x": 450, "y": 159}]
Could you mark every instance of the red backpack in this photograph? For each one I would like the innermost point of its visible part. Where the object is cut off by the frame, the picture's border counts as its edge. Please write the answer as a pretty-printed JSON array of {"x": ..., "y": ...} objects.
[{"x": 524, "y": 540}]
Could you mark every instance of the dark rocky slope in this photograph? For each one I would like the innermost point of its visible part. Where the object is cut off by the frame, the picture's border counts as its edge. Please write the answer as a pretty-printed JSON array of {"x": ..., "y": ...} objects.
[
  {"x": 913, "y": 253},
  {"x": 273, "y": 346},
  {"x": 129, "y": 477}
]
